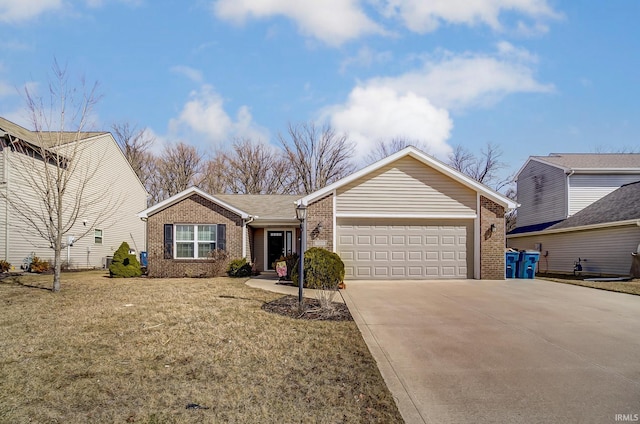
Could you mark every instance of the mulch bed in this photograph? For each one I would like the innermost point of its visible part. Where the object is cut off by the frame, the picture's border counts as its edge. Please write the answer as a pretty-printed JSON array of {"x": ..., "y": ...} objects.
[{"x": 288, "y": 306}]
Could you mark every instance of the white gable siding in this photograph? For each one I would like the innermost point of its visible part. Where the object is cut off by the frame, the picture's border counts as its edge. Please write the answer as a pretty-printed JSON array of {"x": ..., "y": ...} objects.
[
  {"x": 113, "y": 189},
  {"x": 606, "y": 250},
  {"x": 541, "y": 194},
  {"x": 407, "y": 187},
  {"x": 586, "y": 189}
]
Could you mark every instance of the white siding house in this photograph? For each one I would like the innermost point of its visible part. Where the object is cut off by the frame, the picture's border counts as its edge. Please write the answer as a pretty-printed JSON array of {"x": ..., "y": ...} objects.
[
  {"x": 111, "y": 200},
  {"x": 555, "y": 187}
]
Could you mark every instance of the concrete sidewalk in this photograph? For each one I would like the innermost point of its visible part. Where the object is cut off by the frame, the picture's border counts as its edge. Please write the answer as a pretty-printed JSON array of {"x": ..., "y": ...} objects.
[{"x": 271, "y": 283}]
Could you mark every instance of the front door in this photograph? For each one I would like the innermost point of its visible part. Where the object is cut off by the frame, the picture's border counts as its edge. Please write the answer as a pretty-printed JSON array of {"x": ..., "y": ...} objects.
[{"x": 278, "y": 244}]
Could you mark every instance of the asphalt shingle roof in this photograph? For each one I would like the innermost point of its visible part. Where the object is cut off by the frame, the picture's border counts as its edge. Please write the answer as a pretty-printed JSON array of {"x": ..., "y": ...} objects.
[
  {"x": 622, "y": 204},
  {"x": 265, "y": 206},
  {"x": 47, "y": 139},
  {"x": 593, "y": 160}
]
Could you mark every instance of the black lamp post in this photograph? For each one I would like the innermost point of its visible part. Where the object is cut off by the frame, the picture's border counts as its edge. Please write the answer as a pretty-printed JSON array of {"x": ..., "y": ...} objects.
[{"x": 301, "y": 215}]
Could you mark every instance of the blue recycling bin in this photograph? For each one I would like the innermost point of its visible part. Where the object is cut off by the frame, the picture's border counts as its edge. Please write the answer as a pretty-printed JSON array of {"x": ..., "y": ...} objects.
[
  {"x": 143, "y": 259},
  {"x": 511, "y": 263},
  {"x": 527, "y": 264}
]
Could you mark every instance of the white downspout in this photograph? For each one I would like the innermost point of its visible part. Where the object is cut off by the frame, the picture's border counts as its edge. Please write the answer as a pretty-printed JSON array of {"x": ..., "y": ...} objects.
[
  {"x": 568, "y": 185},
  {"x": 244, "y": 235}
]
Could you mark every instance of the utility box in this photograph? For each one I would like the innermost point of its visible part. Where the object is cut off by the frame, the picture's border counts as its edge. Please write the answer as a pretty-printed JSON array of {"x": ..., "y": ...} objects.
[
  {"x": 511, "y": 263},
  {"x": 527, "y": 264},
  {"x": 143, "y": 259}
]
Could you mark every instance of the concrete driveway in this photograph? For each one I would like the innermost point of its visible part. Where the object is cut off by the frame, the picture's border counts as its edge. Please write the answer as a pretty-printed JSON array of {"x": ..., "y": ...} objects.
[{"x": 515, "y": 351}]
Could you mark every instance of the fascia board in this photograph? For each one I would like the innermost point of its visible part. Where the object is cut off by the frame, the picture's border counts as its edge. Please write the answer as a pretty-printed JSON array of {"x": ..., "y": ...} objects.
[{"x": 183, "y": 195}]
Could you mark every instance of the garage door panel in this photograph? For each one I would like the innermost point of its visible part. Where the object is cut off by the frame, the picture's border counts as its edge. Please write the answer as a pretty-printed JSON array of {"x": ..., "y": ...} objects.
[{"x": 395, "y": 249}]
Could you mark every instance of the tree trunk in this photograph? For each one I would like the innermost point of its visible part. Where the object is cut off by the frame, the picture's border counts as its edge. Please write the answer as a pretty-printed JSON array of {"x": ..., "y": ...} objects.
[{"x": 57, "y": 267}]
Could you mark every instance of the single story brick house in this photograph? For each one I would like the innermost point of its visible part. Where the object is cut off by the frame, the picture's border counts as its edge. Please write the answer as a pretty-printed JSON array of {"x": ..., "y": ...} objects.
[{"x": 408, "y": 216}]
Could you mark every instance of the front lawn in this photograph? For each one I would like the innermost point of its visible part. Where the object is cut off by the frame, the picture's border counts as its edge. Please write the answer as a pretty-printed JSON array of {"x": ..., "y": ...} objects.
[
  {"x": 176, "y": 351},
  {"x": 629, "y": 287}
]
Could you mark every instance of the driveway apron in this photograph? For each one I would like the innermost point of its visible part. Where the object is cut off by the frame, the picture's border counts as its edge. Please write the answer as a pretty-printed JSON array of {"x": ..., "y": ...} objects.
[{"x": 514, "y": 351}]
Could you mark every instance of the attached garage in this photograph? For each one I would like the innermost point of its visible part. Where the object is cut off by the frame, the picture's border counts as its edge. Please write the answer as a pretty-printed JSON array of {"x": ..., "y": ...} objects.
[
  {"x": 409, "y": 216},
  {"x": 405, "y": 248}
]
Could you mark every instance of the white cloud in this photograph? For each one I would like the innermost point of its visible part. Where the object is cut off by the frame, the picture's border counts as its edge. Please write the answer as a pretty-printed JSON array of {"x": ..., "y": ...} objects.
[
  {"x": 417, "y": 105},
  {"x": 22, "y": 10},
  {"x": 469, "y": 80},
  {"x": 204, "y": 116},
  {"x": 426, "y": 16},
  {"x": 194, "y": 75},
  {"x": 374, "y": 113},
  {"x": 331, "y": 21}
]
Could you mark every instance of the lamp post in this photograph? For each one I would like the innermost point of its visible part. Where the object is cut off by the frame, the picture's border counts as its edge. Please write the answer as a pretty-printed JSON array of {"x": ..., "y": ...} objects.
[{"x": 301, "y": 215}]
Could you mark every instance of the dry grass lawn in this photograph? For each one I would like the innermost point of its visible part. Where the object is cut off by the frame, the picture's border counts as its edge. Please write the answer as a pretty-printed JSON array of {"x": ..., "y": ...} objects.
[{"x": 142, "y": 350}]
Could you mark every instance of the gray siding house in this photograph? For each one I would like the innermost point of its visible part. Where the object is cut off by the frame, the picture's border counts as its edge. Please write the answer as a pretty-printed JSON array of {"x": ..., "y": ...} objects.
[
  {"x": 112, "y": 198},
  {"x": 579, "y": 206}
]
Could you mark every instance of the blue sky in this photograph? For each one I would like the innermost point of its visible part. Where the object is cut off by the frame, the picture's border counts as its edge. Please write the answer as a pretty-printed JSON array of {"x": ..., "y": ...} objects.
[{"x": 532, "y": 76}]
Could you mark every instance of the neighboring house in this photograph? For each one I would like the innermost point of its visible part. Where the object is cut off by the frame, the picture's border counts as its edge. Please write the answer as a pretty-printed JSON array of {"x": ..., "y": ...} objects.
[
  {"x": 407, "y": 216},
  {"x": 115, "y": 193},
  {"x": 603, "y": 235},
  {"x": 555, "y": 187}
]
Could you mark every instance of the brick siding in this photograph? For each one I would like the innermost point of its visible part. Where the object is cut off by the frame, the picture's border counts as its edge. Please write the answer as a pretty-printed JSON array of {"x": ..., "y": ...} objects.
[
  {"x": 193, "y": 210},
  {"x": 492, "y": 261},
  {"x": 320, "y": 211}
]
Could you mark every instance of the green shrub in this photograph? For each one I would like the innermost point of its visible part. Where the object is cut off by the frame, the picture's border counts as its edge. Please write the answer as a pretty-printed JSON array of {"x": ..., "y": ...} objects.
[
  {"x": 38, "y": 265},
  {"x": 4, "y": 266},
  {"x": 124, "y": 265},
  {"x": 239, "y": 268},
  {"x": 322, "y": 269}
]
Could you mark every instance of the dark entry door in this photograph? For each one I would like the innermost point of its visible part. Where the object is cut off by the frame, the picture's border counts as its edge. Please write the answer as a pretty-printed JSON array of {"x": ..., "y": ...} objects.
[
  {"x": 275, "y": 246},
  {"x": 278, "y": 244}
]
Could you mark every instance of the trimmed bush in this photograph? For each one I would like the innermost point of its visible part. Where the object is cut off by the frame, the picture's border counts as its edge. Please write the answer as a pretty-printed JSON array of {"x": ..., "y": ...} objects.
[
  {"x": 239, "y": 268},
  {"x": 323, "y": 270},
  {"x": 124, "y": 265},
  {"x": 4, "y": 266},
  {"x": 38, "y": 265}
]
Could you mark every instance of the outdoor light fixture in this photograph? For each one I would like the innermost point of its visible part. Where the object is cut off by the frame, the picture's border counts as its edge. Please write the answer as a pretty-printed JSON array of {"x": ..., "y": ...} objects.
[
  {"x": 494, "y": 228},
  {"x": 301, "y": 215}
]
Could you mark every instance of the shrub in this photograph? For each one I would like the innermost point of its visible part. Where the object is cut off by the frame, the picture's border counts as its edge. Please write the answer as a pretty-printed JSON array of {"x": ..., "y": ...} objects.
[
  {"x": 239, "y": 268},
  {"x": 4, "y": 266},
  {"x": 38, "y": 265},
  {"x": 219, "y": 262},
  {"x": 124, "y": 265},
  {"x": 323, "y": 270}
]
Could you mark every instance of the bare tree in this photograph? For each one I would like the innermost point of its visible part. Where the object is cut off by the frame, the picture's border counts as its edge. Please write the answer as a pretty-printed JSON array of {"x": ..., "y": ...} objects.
[
  {"x": 58, "y": 167},
  {"x": 177, "y": 168},
  {"x": 318, "y": 155},
  {"x": 255, "y": 168},
  {"x": 135, "y": 144},
  {"x": 383, "y": 148},
  {"x": 484, "y": 168},
  {"x": 214, "y": 177}
]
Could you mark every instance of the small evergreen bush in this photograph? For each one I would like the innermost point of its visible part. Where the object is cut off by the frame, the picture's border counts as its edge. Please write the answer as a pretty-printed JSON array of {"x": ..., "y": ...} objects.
[
  {"x": 239, "y": 268},
  {"x": 323, "y": 270},
  {"x": 4, "y": 266},
  {"x": 124, "y": 265}
]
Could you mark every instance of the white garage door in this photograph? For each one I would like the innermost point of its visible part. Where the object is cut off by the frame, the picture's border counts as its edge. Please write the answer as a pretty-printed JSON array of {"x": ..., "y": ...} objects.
[{"x": 401, "y": 249}]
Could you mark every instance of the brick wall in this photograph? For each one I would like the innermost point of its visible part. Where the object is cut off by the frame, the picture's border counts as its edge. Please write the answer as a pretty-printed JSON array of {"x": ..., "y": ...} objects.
[
  {"x": 193, "y": 210},
  {"x": 320, "y": 211},
  {"x": 492, "y": 262}
]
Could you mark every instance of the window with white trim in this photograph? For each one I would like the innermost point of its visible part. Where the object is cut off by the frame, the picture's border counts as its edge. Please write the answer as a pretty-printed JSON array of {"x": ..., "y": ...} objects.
[
  {"x": 97, "y": 236},
  {"x": 195, "y": 241}
]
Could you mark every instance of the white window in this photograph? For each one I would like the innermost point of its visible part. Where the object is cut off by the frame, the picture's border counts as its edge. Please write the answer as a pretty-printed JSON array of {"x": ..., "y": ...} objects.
[
  {"x": 195, "y": 241},
  {"x": 97, "y": 236}
]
